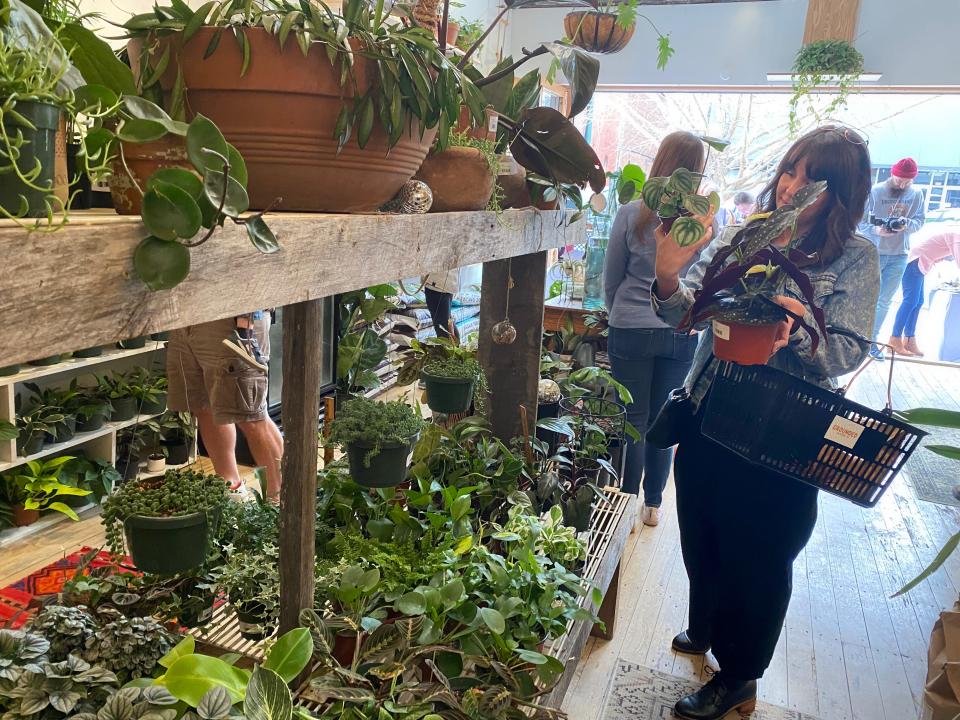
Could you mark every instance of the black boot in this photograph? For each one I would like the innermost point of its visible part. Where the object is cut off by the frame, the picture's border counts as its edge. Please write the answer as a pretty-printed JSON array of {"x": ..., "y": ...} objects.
[
  {"x": 718, "y": 697},
  {"x": 682, "y": 643}
]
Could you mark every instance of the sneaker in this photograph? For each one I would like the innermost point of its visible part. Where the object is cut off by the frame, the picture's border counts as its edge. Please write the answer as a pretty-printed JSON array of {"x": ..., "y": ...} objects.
[
  {"x": 238, "y": 493},
  {"x": 650, "y": 515},
  {"x": 247, "y": 348},
  {"x": 875, "y": 353}
]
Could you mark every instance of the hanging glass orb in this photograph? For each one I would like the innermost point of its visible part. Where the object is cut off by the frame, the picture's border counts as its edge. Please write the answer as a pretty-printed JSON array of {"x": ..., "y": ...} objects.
[{"x": 504, "y": 333}]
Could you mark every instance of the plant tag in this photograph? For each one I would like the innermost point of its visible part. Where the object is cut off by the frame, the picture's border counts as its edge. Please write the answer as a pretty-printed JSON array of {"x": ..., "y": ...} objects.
[
  {"x": 492, "y": 122},
  {"x": 721, "y": 330},
  {"x": 844, "y": 432}
]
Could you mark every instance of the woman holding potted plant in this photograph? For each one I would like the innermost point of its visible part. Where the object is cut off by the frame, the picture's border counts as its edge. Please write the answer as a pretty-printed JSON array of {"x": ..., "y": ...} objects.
[
  {"x": 647, "y": 355},
  {"x": 741, "y": 527}
]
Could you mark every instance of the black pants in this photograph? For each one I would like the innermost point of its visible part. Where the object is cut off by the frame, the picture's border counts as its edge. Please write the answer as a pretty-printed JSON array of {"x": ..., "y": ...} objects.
[
  {"x": 741, "y": 528},
  {"x": 438, "y": 303}
]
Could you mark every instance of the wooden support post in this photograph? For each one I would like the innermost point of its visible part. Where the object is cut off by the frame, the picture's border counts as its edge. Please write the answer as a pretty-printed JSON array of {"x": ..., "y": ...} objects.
[
  {"x": 607, "y": 612},
  {"x": 513, "y": 371},
  {"x": 831, "y": 20},
  {"x": 298, "y": 496}
]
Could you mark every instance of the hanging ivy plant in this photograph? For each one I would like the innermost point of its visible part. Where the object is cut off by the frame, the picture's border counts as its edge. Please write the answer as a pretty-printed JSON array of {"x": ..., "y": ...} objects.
[{"x": 820, "y": 63}]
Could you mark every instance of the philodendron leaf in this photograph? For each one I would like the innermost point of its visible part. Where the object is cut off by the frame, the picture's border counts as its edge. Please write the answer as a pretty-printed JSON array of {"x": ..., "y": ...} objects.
[
  {"x": 95, "y": 98},
  {"x": 236, "y": 200},
  {"x": 161, "y": 264},
  {"x": 687, "y": 231},
  {"x": 291, "y": 653},
  {"x": 261, "y": 236},
  {"x": 267, "y": 697},
  {"x": 581, "y": 69},
  {"x": 169, "y": 212},
  {"x": 548, "y": 144},
  {"x": 193, "y": 676},
  {"x": 182, "y": 178},
  {"x": 203, "y": 135}
]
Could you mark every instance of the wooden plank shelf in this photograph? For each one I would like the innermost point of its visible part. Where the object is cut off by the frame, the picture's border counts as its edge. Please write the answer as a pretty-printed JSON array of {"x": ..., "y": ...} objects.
[{"x": 79, "y": 287}]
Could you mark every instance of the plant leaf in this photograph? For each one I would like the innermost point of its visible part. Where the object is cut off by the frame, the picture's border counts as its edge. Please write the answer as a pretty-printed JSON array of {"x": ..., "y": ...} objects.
[
  {"x": 161, "y": 264},
  {"x": 290, "y": 655},
  {"x": 184, "y": 647},
  {"x": 261, "y": 236},
  {"x": 267, "y": 697},
  {"x": 548, "y": 144},
  {"x": 204, "y": 135},
  {"x": 935, "y": 565},
  {"x": 236, "y": 201},
  {"x": 169, "y": 212},
  {"x": 581, "y": 69}
]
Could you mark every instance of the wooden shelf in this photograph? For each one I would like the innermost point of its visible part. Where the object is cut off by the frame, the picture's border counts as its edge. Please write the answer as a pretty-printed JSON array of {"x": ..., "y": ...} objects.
[
  {"x": 17, "y": 535},
  {"x": 29, "y": 373},
  {"x": 91, "y": 296}
]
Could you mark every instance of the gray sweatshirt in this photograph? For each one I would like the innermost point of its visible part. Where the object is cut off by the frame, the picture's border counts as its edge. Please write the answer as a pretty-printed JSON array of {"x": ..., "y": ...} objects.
[
  {"x": 885, "y": 201},
  {"x": 847, "y": 290},
  {"x": 628, "y": 271}
]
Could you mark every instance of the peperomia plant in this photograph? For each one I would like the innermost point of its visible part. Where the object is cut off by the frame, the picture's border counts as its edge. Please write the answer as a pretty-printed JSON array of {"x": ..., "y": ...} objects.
[{"x": 743, "y": 279}]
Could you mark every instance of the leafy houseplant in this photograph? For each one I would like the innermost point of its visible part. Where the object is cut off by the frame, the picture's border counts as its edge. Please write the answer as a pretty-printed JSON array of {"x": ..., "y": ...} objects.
[
  {"x": 130, "y": 647},
  {"x": 96, "y": 475},
  {"x": 378, "y": 438},
  {"x": 36, "y": 486},
  {"x": 251, "y": 580},
  {"x": 92, "y": 407},
  {"x": 115, "y": 387},
  {"x": 453, "y": 377},
  {"x": 608, "y": 27},
  {"x": 742, "y": 280},
  {"x": 360, "y": 349},
  {"x": 168, "y": 521},
  {"x": 819, "y": 63},
  {"x": 177, "y": 432},
  {"x": 62, "y": 400},
  {"x": 677, "y": 195},
  {"x": 35, "y": 424},
  {"x": 149, "y": 389},
  {"x": 67, "y": 629}
]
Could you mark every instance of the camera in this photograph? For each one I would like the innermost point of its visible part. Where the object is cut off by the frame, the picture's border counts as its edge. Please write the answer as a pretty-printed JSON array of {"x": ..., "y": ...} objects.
[{"x": 891, "y": 224}]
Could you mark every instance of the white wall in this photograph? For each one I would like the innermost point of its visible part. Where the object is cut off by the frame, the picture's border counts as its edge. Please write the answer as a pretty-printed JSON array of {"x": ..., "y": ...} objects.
[{"x": 738, "y": 43}]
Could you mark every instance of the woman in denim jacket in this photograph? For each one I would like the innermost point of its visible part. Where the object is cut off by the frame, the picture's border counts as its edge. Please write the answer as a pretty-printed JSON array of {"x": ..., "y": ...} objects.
[
  {"x": 648, "y": 356},
  {"x": 741, "y": 526}
]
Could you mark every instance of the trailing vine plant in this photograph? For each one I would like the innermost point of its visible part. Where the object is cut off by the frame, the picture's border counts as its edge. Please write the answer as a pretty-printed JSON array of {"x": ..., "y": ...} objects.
[{"x": 817, "y": 64}]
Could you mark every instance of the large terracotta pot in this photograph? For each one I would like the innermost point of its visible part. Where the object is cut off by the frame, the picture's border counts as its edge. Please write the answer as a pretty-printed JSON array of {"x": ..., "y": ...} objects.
[
  {"x": 143, "y": 159},
  {"x": 487, "y": 132},
  {"x": 596, "y": 32},
  {"x": 453, "y": 32},
  {"x": 459, "y": 178},
  {"x": 23, "y": 517},
  {"x": 744, "y": 344},
  {"x": 281, "y": 116}
]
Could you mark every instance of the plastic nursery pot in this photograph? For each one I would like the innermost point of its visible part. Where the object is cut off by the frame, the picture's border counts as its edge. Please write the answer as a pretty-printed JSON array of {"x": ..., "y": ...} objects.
[
  {"x": 154, "y": 407},
  {"x": 160, "y": 336},
  {"x": 744, "y": 344},
  {"x": 65, "y": 431},
  {"x": 23, "y": 517},
  {"x": 89, "y": 352},
  {"x": 178, "y": 452},
  {"x": 31, "y": 445},
  {"x": 197, "y": 608},
  {"x": 89, "y": 424},
  {"x": 123, "y": 408},
  {"x": 9, "y": 370},
  {"x": 43, "y": 362},
  {"x": 252, "y": 621},
  {"x": 128, "y": 469},
  {"x": 446, "y": 394},
  {"x": 132, "y": 343},
  {"x": 387, "y": 468},
  {"x": 38, "y": 149},
  {"x": 344, "y": 646},
  {"x": 667, "y": 222},
  {"x": 168, "y": 545}
]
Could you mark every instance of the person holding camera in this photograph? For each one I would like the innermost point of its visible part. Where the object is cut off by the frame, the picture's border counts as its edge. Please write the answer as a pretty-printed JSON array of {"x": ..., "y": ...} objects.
[{"x": 893, "y": 213}]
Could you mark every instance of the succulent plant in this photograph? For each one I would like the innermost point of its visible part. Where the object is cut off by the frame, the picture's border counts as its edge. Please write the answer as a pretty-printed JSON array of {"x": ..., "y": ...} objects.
[
  {"x": 53, "y": 690},
  {"x": 18, "y": 649},
  {"x": 131, "y": 647},
  {"x": 132, "y": 703},
  {"x": 66, "y": 628}
]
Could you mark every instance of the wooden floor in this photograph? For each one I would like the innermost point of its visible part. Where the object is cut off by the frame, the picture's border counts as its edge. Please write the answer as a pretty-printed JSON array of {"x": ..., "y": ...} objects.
[{"x": 847, "y": 651}]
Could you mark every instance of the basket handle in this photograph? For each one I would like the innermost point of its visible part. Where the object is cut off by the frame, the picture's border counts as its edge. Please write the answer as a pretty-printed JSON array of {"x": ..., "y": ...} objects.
[{"x": 866, "y": 341}]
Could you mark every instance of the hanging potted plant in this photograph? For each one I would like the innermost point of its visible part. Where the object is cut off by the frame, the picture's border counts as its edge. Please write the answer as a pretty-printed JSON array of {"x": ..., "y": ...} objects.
[
  {"x": 453, "y": 378},
  {"x": 168, "y": 521},
  {"x": 824, "y": 62},
  {"x": 378, "y": 438},
  {"x": 363, "y": 95},
  {"x": 741, "y": 283},
  {"x": 608, "y": 26},
  {"x": 36, "y": 486}
]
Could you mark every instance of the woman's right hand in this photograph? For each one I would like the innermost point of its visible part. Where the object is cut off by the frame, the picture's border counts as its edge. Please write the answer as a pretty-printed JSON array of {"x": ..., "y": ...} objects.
[{"x": 672, "y": 258}]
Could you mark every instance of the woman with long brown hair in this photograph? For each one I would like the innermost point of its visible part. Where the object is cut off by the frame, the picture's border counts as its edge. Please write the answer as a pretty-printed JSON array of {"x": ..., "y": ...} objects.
[
  {"x": 742, "y": 526},
  {"x": 648, "y": 356}
]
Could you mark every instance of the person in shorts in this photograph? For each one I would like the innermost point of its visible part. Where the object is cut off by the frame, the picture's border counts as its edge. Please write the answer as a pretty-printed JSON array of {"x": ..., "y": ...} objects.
[{"x": 218, "y": 371}]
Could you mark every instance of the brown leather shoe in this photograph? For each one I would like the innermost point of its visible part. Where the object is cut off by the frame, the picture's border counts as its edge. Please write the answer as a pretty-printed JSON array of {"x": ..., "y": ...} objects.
[
  {"x": 911, "y": 347},
  {"x": 717, "y": 698},
  {"x": 896, "y": 345}
]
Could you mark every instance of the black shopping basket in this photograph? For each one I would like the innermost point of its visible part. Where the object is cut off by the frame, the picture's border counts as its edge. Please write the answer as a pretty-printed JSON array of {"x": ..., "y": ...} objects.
[{"x": 806, "y": 432}]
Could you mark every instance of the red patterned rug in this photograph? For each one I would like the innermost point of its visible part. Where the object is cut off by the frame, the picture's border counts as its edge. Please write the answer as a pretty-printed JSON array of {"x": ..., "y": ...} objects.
[{"x": 15, "y": 599}]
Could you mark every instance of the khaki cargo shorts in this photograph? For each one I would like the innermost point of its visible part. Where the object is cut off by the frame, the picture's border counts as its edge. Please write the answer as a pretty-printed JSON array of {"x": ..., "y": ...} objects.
[{"x": 202, "y": 372}]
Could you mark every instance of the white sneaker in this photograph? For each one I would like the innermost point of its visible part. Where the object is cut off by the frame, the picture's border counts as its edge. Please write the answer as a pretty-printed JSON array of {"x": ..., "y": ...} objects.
[{"x": 649, "y": 515}]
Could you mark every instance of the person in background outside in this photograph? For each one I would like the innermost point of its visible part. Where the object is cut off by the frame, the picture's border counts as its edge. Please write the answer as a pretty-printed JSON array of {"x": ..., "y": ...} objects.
[
  {"x": 895, "y": 203},
  {"x": 742, "y": 525},
  {"x": 218, "y": 372},
  {"x": 920, "y": 261},
  {"x": 743, "y": 206},
  {"x": 648, "y": 356}
]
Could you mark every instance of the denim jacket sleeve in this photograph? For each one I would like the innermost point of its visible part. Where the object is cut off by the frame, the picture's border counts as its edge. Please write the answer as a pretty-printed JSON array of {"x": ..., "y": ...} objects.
[{"x": 847, "y": 291}]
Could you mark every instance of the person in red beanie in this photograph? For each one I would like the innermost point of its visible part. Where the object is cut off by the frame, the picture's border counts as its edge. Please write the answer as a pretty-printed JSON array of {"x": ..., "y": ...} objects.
[{"x": 894, "y": 212}]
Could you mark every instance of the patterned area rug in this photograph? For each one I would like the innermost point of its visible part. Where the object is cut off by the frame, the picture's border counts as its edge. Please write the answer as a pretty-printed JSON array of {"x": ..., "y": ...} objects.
[
  {"x": 639, "y": 693},
  {"x": 934, "y": 476},
  {"x": 15, "y": 599}
]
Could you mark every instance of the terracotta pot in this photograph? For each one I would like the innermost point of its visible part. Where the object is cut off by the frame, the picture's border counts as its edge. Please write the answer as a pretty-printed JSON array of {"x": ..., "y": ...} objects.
[
  {"x": 143, "y": 159},
  {"x": 23, "y": 517},
  {"x": 487, "y": 132},
  {"x": 744, "y": 344},
  {"x": 512, "y": 181},
  {"x": 281, "y": 116},
  {"x": 460, "y": 179},
  {"x": 596, "y": 32},
  {"x": 453, "y": 32}
]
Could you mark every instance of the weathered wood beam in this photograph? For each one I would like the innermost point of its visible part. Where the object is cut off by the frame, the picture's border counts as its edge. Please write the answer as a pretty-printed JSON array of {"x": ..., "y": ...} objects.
[
  {"x": 302, "y": 334},
  {"x": 513, "y": 371},
  {"x": 76, "y": 288},
  {"x": 831, "y": 20}
]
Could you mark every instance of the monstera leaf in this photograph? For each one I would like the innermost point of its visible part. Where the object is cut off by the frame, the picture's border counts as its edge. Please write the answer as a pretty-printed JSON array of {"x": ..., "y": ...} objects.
[{"x": 548, "y": 144}]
